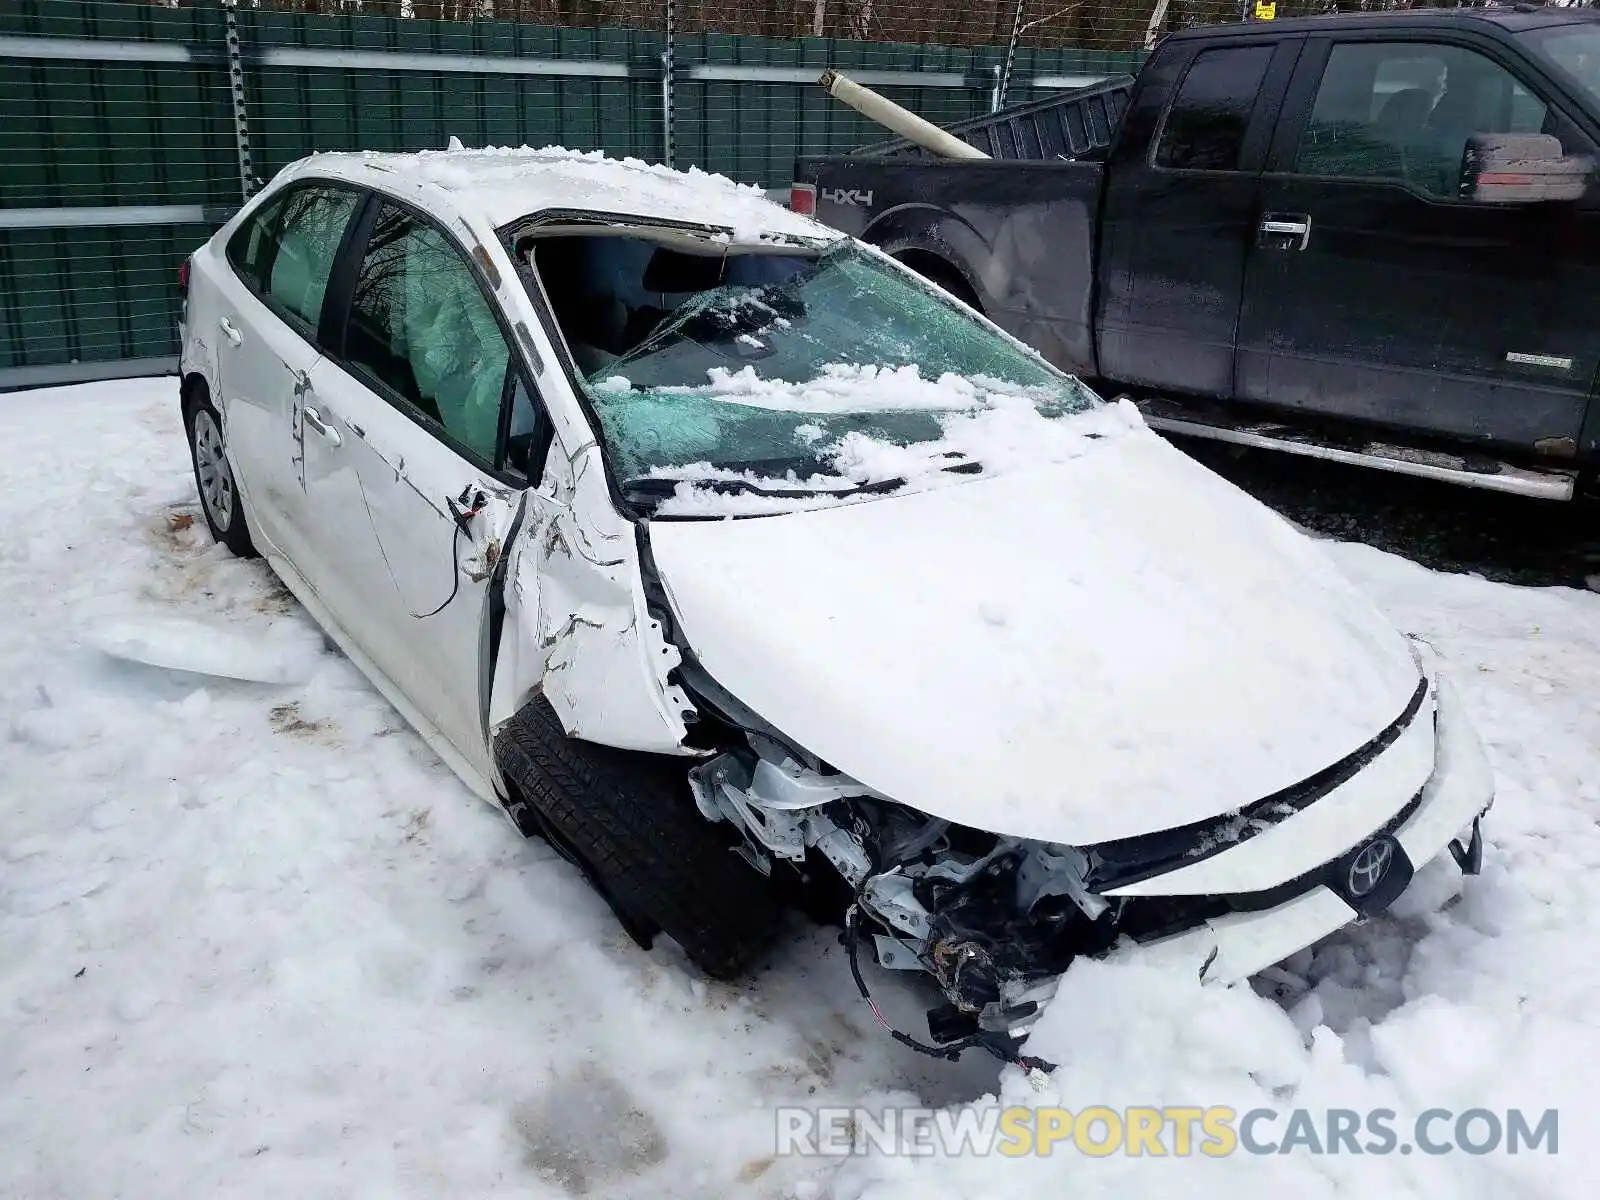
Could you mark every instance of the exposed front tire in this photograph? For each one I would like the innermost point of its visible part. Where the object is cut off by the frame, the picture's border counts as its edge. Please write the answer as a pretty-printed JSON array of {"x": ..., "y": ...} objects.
[
  {"x": 628, "y": 822},
  {"x": 213, "y": 476}
]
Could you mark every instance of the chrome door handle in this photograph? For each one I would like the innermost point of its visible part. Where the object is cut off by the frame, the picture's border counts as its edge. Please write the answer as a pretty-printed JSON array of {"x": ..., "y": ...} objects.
[
  {"x": 1287, "y": 225},
  {"x": 314, "y": 419},
  {"x": 231, "y": 331}
]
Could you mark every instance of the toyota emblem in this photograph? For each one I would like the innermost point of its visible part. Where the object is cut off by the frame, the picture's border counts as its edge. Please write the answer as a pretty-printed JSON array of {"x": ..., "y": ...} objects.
[{"x": 1369, "y": 866}]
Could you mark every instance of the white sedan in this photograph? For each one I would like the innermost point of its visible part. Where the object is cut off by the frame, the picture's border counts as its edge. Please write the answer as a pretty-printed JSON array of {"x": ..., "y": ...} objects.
[{"x": 748, "y": 568}]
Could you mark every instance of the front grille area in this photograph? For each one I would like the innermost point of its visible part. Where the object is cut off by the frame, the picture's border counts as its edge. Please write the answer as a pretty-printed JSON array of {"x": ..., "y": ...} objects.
[
  {"x": 1118, "y": 863},
  {"x": 1145, "y": 918}
]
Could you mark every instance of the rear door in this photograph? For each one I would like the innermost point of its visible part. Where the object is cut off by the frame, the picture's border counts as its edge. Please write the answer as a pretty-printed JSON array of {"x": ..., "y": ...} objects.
[
  {"x": 270, "y": 307},
  {"x": 1180, "y": 211},
  {"x": 417, "y": 477},
  {"x": 1375, "y": 291}
]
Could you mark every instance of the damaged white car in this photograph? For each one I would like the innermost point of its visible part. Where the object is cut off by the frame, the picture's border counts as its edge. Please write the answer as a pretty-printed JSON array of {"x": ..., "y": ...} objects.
[{"x": 750, "y": 569}]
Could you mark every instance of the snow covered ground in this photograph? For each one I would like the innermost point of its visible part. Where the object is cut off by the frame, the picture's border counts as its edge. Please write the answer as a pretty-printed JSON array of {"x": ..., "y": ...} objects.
[{"x": 255, "y": 940}]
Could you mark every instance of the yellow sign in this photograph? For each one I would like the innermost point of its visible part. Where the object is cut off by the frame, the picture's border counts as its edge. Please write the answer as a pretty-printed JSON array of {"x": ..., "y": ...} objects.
[{"x": 1266, "y": 10}]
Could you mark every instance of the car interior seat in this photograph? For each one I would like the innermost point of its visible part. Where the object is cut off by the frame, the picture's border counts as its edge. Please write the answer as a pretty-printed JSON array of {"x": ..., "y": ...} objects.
[
  {"x": 1404, "y": 113},
  {"x": 1465, "y": 108},
  {"x": 1399, "y": 130}
]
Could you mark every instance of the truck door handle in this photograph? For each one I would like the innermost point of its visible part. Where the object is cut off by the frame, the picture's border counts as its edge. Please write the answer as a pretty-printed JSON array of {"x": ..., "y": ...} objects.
[
  {"x": 231, "y": 331},
  {"x": 314, "y": 419},
  {"x": 1284, "y": 231}
]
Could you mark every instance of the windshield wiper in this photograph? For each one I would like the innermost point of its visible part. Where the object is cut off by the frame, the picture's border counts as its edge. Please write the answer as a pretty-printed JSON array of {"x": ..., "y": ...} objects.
[{"x": 647, "y": 491}]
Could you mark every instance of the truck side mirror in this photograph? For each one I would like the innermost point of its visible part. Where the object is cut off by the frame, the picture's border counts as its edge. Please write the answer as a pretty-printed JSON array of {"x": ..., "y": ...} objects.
[{"x": 1521, "y": 168}]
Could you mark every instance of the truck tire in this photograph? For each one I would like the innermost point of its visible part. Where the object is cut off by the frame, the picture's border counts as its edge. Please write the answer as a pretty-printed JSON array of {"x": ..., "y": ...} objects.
[
  {"x": 628, "y": 822},
  {"x": 941, "y": 274}
]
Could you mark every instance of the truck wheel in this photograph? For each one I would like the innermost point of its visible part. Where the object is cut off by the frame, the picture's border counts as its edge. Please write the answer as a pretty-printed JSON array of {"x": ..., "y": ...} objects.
[
  {"x": 627, "y": 821},
  {"x": 941, "y": 274}
]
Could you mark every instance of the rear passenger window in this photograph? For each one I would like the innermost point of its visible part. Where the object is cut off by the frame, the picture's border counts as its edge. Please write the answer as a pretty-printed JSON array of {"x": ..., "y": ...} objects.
[
  {"x": 285, "y": 250},
  {"x": 1205, "y": 127},
  {"x": 247, "y": 248},
  {"x": 421, "y": 328}
]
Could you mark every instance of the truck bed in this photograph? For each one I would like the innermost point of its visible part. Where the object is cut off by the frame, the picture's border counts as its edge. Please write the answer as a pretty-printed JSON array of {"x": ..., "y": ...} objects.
[
  {"x": 1073, "y": 124},
  {"x": 1036, "y": 201}
]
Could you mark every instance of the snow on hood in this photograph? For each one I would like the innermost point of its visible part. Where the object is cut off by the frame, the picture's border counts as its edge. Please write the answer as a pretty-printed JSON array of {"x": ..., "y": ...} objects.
[
  {"x": 507, "y": 183},
  {"x": 1073, "y": 651}
]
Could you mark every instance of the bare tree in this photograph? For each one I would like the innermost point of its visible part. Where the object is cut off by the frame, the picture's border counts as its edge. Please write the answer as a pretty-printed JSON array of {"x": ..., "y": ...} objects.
[
  {"x": 858, "y": 18},
  {"x": 1078, "y": 24}
]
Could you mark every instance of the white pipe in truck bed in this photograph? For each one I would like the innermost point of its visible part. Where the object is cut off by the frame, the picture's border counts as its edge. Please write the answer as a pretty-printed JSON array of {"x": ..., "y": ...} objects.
[{"x": 899, "y": 120}]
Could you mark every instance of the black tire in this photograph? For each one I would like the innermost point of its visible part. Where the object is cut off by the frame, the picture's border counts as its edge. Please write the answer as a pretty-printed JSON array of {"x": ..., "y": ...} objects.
[
  {"x": 941, "y": 274},
  {"x": 219, "y": 495},
  {"x": 629, "y": 823}
]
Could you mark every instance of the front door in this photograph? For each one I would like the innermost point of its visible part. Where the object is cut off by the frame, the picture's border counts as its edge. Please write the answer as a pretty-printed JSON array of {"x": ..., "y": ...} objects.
[
  {"x": 1375, "y": 292},
  {"x": 271, "y": 293},
  {"x": 417, "y": 496},
  {"x": 1179, "y": 220}
]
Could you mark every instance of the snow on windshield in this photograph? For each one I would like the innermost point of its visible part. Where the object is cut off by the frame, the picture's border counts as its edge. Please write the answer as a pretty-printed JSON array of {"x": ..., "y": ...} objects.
[
  {"x": 759, "y": 379},
  {"x": 841, "y": 388},
  {"x": 982, "y": 432}
]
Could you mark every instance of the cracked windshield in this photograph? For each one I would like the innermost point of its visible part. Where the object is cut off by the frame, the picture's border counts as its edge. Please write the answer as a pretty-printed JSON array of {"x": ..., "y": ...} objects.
[{"x": 818, "y": 371}]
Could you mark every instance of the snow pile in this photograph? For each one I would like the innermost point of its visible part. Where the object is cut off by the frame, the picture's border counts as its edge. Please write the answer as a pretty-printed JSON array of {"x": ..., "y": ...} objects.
[
  {"x": 1482, "y": 994},
  {"x": 1006, "y": 433},
  {"x": 507, "y": 183},
  {"x": 256, "y": 941}
]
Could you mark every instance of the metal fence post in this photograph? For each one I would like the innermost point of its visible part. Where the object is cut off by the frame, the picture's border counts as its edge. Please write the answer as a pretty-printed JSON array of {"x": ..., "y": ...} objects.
[
  {"x": 1004, "y": 83},
  {"x": 241, "y": 118},
  {"x": 668, "y": 67}
]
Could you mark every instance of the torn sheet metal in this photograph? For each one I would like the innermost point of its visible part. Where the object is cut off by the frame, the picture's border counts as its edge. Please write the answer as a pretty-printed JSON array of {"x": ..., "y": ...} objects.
[{"x": 576, "y": 623}]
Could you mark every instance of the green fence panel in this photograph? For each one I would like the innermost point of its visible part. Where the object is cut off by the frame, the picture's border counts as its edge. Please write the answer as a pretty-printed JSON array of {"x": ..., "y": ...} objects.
[
  {"x": 91, "y": 294},
  {"x": 83, "y": 131}
]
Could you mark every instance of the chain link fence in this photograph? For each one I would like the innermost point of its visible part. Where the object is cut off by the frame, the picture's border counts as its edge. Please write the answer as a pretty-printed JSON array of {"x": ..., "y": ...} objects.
[{"x": 132, "y": 129}]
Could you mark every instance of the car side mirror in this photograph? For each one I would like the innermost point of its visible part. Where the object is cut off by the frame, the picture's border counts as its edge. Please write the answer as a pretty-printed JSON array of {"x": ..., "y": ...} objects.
[{"x": 1521, "y": 168}]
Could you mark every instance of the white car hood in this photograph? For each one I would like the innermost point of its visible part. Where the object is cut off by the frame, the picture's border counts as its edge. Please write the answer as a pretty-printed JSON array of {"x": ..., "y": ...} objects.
[{"x": 1080, "y": 651}]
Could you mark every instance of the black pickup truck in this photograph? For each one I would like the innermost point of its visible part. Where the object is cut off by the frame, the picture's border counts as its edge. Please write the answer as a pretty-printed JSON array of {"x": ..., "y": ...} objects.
[{"x": 1368, "y": 238}]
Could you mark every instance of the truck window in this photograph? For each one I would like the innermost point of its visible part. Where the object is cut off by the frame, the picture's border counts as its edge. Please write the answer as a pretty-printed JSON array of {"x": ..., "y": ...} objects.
[
  {"x": 1574, "y": 49},
  {"x": 1404, "y": 111},
  {"x": 1205, "y": 126}
]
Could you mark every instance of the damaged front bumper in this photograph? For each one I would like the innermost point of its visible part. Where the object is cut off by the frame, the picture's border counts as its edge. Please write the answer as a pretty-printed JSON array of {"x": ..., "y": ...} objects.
[
  {"x": 996, "y": 920},
  {"x": 1233, "y": 945}
]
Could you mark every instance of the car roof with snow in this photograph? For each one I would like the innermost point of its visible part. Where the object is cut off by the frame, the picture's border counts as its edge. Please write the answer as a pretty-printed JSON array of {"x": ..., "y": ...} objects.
[{"x": 504, "y": 184}]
